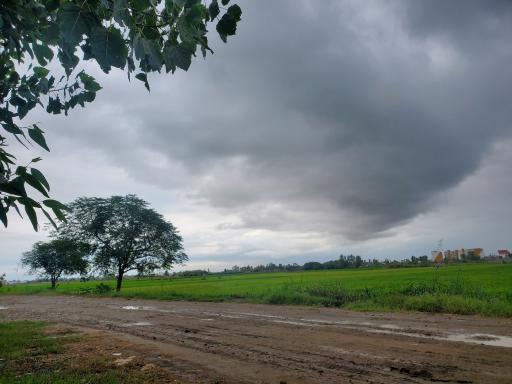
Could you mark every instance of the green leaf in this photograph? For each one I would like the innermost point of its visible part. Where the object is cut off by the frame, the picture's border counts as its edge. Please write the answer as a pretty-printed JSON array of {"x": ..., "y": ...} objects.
[
  {"x": 31, "y": 213},
  {"x": 89, "y": 82},
  {"x": 12, "y": 203},
  {"x": 43, "y": 53},
  {"x": 144, "y": 78},
  {"x": 54, "y": 106},
  {"x": 14, "y": 187},
  {"x": 177, "y": 56},
  {"x": 227, "y": 24},
  {"x": 52, "y": 5},
  {"x": 121, "y": 14},
  {"x": 225, "y": 2},
  {"x": 140, "y": 5},
  {"x": 50, "y": 219},
  {"x": 3, "y": 214},
  {"x": 180, "y": 3},
  {"x": 148, "y": 51},
  {"x": 109, "y": 48},
  {"x": 214, "y": 9},
  {"x": 41, "y": 72},
  {"x": 54, "y": 204},
  {"x": 67, "y": 58},
  {"x": 44, "y": 86},
  {"x": 34, "y": 183},
  {"x": 195, "y": 13},
  {"x": 12, "y": 128},
  {"x": 40, "y": 177},
  {"x": 27, "y": 200},
  {"x": 59, "y": 214},
  {"x": 75, "y": 21},
  {"x": 235, "y": 11},
  {"x": 36, "y": 134}
]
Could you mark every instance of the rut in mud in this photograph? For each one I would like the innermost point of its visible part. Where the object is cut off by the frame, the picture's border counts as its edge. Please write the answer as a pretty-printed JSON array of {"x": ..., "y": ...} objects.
[{"x": 245, "y": 343}]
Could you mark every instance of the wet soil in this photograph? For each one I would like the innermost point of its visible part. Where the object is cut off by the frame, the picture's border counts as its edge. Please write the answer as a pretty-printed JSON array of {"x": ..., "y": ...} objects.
[{"x": 248, "y": 343}]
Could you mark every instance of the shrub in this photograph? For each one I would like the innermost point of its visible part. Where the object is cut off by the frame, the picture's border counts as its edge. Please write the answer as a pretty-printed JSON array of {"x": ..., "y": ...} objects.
[{"x": 102, "y": 289}]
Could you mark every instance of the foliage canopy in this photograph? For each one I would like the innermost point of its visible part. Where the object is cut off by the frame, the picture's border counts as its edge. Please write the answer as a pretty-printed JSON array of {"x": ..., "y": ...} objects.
[
  {"x": 124, "y": 234},
  {"x": 57, "y": 257},
  {"x": 138, "y": 36}
]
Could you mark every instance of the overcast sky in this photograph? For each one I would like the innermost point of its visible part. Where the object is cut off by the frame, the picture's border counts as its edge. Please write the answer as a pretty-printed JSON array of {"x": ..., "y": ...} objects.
[{"x": 323, "y": 127}]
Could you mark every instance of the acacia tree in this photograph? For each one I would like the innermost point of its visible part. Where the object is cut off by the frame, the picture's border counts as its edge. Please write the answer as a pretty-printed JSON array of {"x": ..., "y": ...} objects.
[
  {"x": 139, "y": 36},
  {"x": 124, "y": 235},
  {"x": 56, "y": 257}
]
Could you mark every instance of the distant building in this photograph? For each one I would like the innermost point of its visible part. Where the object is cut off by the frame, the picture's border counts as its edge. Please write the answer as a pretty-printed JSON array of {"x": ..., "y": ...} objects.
[
  {"x": 453, "y": 255},
  {"x": 437, "y": 256},
  {"x": 503, "y": 253},
  {"x": 458, "y": 254},
  {"x": 475, "y": 253}
]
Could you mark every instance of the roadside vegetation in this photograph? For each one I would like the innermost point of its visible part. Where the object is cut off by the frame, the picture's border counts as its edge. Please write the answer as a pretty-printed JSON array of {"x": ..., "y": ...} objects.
[
  {"x": 470, "y": 288},
  {"x": 33, "y": 353}
]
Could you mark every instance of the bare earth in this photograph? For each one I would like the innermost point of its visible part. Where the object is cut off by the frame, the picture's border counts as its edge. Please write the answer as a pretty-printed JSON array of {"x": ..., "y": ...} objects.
[{"x": 248, "y": 343}]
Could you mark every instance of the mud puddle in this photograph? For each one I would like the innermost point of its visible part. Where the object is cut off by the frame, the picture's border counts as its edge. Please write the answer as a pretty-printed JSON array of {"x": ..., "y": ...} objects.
[
  {"x": 392, "y": 329},
  {"x": 389, "y": 329},
  {"x": 138, "y": 324}
]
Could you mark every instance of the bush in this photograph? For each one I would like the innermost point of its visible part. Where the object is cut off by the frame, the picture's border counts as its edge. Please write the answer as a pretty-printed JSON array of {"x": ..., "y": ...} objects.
[
  {"x": 85, "y": 290},
  {"x": 102, "y": 289}
]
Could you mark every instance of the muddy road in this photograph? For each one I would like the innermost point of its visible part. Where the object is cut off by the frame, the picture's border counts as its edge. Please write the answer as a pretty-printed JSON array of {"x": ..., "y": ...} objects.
[{"x": 247, "y": 343}]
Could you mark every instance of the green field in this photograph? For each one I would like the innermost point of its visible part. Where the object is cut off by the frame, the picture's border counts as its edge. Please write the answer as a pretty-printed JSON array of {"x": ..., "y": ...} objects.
[{"x": 480, "y": 288}]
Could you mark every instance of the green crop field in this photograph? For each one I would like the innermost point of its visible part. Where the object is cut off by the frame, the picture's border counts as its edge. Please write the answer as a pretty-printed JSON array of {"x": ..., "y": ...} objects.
[{"x": 480, "y": 288}]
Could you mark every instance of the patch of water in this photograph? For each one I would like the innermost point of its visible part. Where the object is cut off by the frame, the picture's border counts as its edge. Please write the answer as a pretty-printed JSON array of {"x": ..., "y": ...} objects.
[
  {"x": 146, "y": 308},
  {"x": 480, "y": 338},
  {"x": 258, "y": 315},
  {"x": 138, "y": 324},
  {"x": 392, "y": 329},
  {"x": 291, "y": 322}
]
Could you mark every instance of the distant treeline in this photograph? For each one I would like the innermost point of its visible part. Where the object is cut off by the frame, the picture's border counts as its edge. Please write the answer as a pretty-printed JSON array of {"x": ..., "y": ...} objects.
[{"x": 343, "y": 262}]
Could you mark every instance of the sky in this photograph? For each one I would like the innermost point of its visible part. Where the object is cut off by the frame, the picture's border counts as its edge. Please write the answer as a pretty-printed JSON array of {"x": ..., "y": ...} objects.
[{"x": 373, "y": 128}]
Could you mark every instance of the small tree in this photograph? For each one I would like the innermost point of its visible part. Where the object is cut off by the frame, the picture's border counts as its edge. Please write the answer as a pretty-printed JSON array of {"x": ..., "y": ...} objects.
[
  {"x": 124, "y": 235},
  {"x": 56, "y": 257}
]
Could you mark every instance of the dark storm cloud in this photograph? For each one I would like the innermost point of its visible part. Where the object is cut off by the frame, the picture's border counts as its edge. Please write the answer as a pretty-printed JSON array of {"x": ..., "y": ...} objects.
[
  {"x": 339, "y": 117},
  {"x": 472, "y": 21}
]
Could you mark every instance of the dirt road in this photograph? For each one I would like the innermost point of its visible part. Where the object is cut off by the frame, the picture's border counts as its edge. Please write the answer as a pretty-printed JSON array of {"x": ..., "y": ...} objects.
[{"x": 246, "y": 343}]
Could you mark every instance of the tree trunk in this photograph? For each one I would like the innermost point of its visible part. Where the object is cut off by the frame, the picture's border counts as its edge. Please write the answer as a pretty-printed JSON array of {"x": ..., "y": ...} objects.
[
  {"x": 119, "y": 280},
  {"x": 54, "y": 282}
]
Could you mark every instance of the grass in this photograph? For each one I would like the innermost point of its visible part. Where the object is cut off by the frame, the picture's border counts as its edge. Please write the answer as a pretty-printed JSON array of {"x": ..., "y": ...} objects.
[
  {"x": 23, "y": 339},
  {"x": 477, "y": 288},
  {"x": 30, "y": 354}
]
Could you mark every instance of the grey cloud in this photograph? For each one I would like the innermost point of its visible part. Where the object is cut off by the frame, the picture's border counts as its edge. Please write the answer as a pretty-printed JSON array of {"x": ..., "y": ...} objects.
[
  {"x": 347, "y": 118},
  {"x": 471, "y": 20}
]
